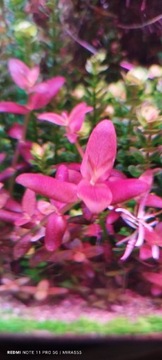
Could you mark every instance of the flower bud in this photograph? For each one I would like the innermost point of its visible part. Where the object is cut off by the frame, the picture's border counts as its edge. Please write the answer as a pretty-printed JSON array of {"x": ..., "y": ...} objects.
[
  {"x": 147, "y": 113},
  {"x": 155, "y": 71},
  {"x": 25, "y": 29},
  {"x": 137, "y": 76},
  {"x": 118, "y": 90}
]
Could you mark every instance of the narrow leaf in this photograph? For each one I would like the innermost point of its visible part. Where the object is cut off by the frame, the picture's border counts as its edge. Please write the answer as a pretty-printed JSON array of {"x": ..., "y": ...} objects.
[
  {"x": 125, "y": 189},
  {"x": 12, "y": 107},
  {"x": 55, "y": 230},
  {"x": 100, "y": 152},
  {"x": 49, "y": 187}
]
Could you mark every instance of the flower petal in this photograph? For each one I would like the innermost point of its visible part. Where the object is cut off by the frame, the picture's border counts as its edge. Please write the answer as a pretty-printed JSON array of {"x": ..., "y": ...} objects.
[{"x": 96, "y": 197}]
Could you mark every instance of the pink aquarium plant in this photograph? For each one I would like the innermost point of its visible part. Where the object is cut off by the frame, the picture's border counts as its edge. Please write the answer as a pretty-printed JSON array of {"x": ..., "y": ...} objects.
[
  {"x": 39, "y": 94},
  {"x": 96, "y": 184},
  {"x": 72, "y": 122}
]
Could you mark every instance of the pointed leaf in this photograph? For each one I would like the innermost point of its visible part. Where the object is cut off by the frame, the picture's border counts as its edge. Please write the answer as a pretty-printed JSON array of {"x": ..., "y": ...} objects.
[
  {"x": 154, "y": 278},
  {"x": 16, "y": 131},
  {"x": 62, "y": 173},
  {"x": 154, "y": 201},
  {"x": 8, "y": 216},
  {"x": 96, "y": 197},
  {"x": 55, "y": 230},
  {"x": 5, "y": 174},
  {"x": 77, "y": 115},
  {"x": 22, "y": 75},
  {"x": 147, "y": 176},
  {"x": 158, "y": 228},
  {"x": 22, "y": 247},
  {"x": 152, "y": 237},
  {"x": 42, "y": 290},
  {"x": 12, "y": 107},
  {"x": 49, "y": 187},
  {"x": 25, "y": 150},
  {"x": 13, "y": 205},
  {"x": 145, "y": 252},
  {"x": 53, "y": 118},
  {"x": 44, "y": 92},
  {"x": 3, "y": 198},
  {"x": 29, "y": 202},
  {"x": 100, "y": 152},
  {"x": 125, "y": 189}
]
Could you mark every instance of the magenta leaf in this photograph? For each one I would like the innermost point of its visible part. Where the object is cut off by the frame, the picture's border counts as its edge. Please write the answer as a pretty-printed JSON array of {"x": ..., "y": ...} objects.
[
  {"x": 3, "y": 198},
  {"x": 2, "y": 157},
  {"x": 29, "y": 202},
  {"x": 49, "y": 187},
  {"x": 44, "y": 92},
  {"x": 13, "y": 205},
  {"x": 154, "y": 278},
  {"x": 16, "y": 131},
  {"x": 125, "y": 189},
  {"x": 158, "y": 228},
  {"x": 8, "y": 216},
  {"x": 55, "y": 229},
  {"x": 22, "y": 247},
  {"x": 153, "y": 237},
  {"x": 96, "y": 197},
  {"x": 77, "y": 115},
  {"x": 145, "y": 252},
  {"x": 154, "y": 201},
  {"x": 25, "y": 150},
  {"x": 72, "y": 121},
  {"x": 53, "y": 118},
  {"x": 147, "y": 177},
  {"x": 100, "y": 152},
  {"x": 12, "y": 107},
  {"x": 6, "y": 173},
  {"x": 22, "y": 75},
  {"x": 62, "y": 173}
]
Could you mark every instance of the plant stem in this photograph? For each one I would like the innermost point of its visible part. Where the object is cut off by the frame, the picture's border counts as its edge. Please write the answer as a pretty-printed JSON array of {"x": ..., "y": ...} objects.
[
  {"x": 17, "y": 152},
  {"x": 79, "y": 149}
]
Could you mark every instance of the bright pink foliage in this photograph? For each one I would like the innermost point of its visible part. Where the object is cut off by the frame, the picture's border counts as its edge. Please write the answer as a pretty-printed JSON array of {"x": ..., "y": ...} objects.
[
  {"x": 39, "y": 95},
  {"x": 93, "y": 187},
  {"x": 24, "y": 77},
  {"x": 72, "y": 122}
]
